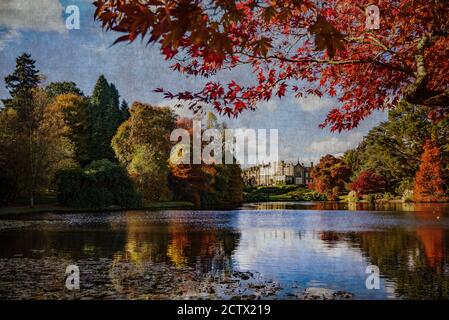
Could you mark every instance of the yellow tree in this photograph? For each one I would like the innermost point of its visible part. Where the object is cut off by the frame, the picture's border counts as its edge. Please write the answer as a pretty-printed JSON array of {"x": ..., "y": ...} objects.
[
  {"x": 41, "y": 148},
  {"x": 69, "y": 112},
  {"x": 142, "y": 145}
]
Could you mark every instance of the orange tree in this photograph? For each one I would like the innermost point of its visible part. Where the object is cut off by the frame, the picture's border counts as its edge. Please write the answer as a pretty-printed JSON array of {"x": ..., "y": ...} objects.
[
  {"x": 330, "y": 176},
  {"x": 301, "y": 46},
  {"x": 429, "y": 182}
]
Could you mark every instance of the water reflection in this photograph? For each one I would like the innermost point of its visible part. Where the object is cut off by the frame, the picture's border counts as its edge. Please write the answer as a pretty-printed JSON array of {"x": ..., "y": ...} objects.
[
  {"x": 301, "y": 244},
  {"x": 435, "y": 208}
]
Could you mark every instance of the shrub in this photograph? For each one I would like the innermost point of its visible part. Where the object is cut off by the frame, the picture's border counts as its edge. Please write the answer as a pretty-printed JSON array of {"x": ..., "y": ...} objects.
[
  {"x": 314, "y": 196},
  {"x": 287, "y": 192},
  {"x": 307, "y": 195},
  {"x": 248, "y": 189},
  {"x": 99, "y": 185},
  {"x": 257, "y": 197}
]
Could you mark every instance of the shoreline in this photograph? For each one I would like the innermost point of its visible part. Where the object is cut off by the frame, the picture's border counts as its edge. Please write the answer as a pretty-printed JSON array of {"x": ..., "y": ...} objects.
[
  {"x": 55, "y": 208},
  {"x": 178, "y": 205}
]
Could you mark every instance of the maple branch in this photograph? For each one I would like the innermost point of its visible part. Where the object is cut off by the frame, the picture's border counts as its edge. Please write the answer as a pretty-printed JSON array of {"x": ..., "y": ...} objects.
[
  {"x": 378, "y": 43},
  {"x": 351, "y": 61},
  {"x": 417, "y": 92}
]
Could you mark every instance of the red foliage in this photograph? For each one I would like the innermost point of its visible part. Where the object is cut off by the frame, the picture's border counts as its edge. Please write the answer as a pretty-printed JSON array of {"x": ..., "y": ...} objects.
[
  {"x": 429, "y": 183},
  {"x": 367, "y": 182},
  {"x": 330, "y": 176},
  {"x": 307, "y": 47}
]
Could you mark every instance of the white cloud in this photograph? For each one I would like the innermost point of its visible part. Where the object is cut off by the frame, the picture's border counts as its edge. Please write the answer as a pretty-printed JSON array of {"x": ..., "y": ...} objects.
[
  {"x": 29, "y": 15},
  {"x": 314, "y": 103},
  {"x": 7, "y": 36},
  {"x": 334, "y": 145},
  {"x": 42, "y": 15}
]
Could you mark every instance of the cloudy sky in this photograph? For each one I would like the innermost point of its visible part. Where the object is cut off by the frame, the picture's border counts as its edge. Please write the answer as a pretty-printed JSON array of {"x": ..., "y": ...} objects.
[{"x": 38, "y": 27}]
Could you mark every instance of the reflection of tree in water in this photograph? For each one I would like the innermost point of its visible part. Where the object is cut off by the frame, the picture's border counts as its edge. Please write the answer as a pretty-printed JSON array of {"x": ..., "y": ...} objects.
[
  {"x": 432, "y": 238},
  {"x": 442, "y": 208},
  {"x": 62, "y": 241},
  {"x": 144, "y": 243},
  {"x": 156, "y": 246},
  {"x": 434, "y": 245},
  {"x": 331, "y": 238},
  {"x": 207, "y": 250},
  {"x": 415, "y": 260},
  {"x": 402, "y": 259},
  {"x": 179, "y": 243},
  {"x": 325, "y": 205}
]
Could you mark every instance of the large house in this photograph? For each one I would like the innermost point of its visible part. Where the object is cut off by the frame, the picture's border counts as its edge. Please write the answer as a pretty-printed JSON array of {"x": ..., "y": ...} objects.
[{"x": 278, "y": 173}]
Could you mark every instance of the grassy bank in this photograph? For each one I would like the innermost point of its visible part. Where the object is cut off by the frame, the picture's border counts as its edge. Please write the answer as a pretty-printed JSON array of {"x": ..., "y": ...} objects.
[
  {"x": 55, "y": 208},
  {"x": 281, "y": 193}
]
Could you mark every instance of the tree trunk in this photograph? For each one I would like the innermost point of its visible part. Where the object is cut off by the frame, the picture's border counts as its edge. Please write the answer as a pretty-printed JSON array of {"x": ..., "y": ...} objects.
[{"x": 31, "y": 168}]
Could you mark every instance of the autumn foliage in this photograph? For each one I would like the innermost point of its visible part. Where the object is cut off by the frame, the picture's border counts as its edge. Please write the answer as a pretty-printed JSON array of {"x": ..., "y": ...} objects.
[
  {"x": 367, "y": 182},
  {"x": 305, "y": 47},
  {"x": 330, "y": 177},
  {"x": 429, "y": 183},
  {"x": 203, "y": 184}
]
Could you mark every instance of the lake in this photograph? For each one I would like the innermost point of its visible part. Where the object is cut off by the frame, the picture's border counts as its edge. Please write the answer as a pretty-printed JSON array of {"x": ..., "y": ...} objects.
[{"x": 283, "y": 247}]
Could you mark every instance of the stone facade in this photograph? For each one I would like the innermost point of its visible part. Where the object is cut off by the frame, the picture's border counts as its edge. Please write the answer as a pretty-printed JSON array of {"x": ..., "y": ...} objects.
[{"x": 277, "y": 173}]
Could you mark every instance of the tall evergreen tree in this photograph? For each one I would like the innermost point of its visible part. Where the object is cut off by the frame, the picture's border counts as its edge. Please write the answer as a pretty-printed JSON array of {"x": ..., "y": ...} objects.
[
  {"x": 114, "y": 114},
  {"x": 105, "y": 117},
  {"x": 124, "y": 109},
  {"x": 114, "y": 98},
  {"x": 21, "y": 84}
]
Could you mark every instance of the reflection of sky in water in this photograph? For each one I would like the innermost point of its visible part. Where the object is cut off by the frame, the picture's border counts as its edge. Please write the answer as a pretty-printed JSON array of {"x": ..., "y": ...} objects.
[{"x": 289, "y": 255}]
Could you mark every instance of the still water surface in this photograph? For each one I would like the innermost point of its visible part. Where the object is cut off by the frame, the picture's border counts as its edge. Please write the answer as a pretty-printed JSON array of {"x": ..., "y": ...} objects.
[{"x": 296, "y": 244}]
